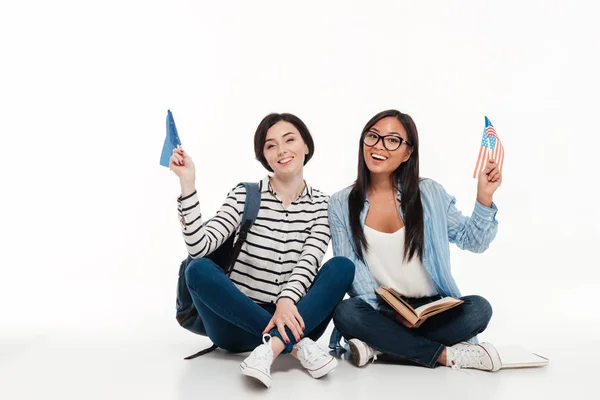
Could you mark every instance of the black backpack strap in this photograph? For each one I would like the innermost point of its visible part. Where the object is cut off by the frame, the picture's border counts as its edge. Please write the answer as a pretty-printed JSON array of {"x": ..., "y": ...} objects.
[
  {"x": 251, "y": 208},
  {"x": 202, "y": 352}
]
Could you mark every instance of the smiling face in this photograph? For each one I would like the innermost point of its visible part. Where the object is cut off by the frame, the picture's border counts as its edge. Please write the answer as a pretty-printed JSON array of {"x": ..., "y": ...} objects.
[
  {"x": 284, "y": 148},
  {"x": 378, "y": 158}
]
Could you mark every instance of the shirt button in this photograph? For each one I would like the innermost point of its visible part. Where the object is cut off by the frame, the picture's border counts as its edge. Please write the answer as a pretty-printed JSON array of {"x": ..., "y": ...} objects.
[
  {"x": 276, "y": 280},
  {"x": 286, "y": 214},
  {"x": 279, "y": 258}
]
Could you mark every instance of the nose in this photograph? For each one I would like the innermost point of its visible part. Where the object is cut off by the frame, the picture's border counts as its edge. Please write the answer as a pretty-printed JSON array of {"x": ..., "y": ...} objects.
[{"x": 379, "y": 145}]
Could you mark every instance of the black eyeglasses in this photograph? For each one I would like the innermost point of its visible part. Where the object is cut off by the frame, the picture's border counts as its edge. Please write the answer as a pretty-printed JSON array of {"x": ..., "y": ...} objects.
[{"x": 390, "y": 142}]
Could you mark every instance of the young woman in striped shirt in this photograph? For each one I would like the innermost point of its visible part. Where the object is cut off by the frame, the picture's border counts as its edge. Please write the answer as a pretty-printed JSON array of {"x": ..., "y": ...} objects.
[
  {"x": 278, "y": 298},
  {"x": 396, "y": 228}
]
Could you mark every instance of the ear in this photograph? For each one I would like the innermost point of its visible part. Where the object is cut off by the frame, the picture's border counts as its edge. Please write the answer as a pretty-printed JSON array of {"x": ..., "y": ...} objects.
[
  {"x": 306, "y": 149},
  {"x": 407, "y": 156}
]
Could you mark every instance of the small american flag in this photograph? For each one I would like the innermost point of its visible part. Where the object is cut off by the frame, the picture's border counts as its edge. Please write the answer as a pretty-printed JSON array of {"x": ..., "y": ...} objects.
[{"x": 491, "y": 148}]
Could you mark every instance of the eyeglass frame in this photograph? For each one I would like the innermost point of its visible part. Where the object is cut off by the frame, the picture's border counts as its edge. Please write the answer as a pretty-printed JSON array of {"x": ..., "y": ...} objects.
[{"x": 382, "y": 138}]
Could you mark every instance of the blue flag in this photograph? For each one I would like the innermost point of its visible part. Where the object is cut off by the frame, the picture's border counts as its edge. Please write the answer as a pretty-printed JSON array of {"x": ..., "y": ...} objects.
[{"x": 171, "y": 141}]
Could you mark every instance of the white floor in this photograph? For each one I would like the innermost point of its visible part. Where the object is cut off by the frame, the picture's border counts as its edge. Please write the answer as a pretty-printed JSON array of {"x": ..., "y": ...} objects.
[
  {"x": 111, "y": 338},
  {"x": 146, "y": 362}
]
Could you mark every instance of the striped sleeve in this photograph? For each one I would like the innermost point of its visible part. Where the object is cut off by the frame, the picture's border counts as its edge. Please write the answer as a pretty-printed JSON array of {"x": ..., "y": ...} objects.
[
  {"x": 308, "y": 264},
  {"x": 202, "y": 239}
]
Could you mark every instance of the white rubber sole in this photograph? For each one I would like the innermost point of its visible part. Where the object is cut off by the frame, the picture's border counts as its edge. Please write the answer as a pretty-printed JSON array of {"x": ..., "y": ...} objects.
[
  {"x": 325, "y": 369},
  {"x": 494, "y": 356},
  {"x": 357, "y": 355},
  {"x": 256, "y": 374}
]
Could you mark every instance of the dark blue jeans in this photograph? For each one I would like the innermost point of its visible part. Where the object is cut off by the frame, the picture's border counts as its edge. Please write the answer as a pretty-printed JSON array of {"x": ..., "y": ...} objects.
[
  {"x": 235, "y": 323},
  {"x": 356, "y": 319}
]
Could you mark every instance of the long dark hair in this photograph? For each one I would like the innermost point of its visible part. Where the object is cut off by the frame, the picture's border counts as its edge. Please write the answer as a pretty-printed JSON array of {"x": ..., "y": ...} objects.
[
  {"x": 408, "y": 176},
  {"x": 260, "y": 136}
]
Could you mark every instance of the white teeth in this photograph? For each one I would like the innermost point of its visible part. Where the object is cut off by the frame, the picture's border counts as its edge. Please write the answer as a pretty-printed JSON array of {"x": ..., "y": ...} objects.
[{"x": 378, "y": 157}]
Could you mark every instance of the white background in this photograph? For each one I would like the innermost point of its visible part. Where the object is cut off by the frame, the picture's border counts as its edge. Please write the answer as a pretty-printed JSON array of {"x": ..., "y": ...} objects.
[{"x": 90, "y": 239}]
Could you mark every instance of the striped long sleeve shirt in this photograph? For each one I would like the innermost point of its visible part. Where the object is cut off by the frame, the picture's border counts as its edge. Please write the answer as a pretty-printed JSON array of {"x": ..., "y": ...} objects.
[{"x": 283, "y": 250}]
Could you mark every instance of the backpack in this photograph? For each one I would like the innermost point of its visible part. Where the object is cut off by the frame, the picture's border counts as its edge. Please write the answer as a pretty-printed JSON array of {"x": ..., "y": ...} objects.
[{"x": 224, "y": 256}]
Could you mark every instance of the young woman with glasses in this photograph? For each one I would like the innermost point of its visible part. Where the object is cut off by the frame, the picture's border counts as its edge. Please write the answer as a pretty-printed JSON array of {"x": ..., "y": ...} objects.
[
  {"x": 278, "y": 298},
  {"x": 396, "y": 228}
]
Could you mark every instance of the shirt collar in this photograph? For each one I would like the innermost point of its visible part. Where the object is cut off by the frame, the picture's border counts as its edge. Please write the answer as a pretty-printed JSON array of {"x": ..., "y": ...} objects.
[{"x": 265, "y": 186}]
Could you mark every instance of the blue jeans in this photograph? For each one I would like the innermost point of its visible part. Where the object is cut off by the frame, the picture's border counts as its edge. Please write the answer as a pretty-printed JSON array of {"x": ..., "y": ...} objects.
[
  {"x": 356, "y": 319},
  {"x": 235, "y": 323}
]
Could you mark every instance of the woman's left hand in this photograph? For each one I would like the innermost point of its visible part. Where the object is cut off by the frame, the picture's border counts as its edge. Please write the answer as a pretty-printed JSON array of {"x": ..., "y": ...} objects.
[{"x": 489, "y": 181}]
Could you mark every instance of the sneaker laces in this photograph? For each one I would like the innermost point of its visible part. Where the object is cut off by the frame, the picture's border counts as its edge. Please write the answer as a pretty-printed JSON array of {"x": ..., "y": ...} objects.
[
  {"x": 264, "y": 351},
  {"x": 467, "y": 356},
  {"x": 371, "y": 353},
  {"x": 311, "y": 351}
]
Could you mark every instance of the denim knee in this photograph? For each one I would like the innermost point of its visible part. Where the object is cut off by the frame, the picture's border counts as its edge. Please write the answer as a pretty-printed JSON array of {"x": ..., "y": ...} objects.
[
  {"x": 344, "y": 269},
  {"x": 199, "y": 271},
  {"x": 482, "y": 308}
]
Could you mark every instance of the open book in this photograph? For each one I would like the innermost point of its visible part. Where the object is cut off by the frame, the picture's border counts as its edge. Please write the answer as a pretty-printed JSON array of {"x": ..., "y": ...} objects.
[{"x": 414, "y": 317}]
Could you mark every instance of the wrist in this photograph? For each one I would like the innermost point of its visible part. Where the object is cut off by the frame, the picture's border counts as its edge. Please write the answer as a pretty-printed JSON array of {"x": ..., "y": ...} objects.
[
  {"x": 187, "y": 187},
  {"x": 284, "y": 300}
]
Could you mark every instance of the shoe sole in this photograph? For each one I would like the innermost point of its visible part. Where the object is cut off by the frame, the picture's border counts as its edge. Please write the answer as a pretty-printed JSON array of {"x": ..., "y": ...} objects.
[
  {"x": 256, "y": 374},
  {"x": 325, "y": 369},
  {"x": 494, "y": 356},
  {"x": 355, "y": 353}
]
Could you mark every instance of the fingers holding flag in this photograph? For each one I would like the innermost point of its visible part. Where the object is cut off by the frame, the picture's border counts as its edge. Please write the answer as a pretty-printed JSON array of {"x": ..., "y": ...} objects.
[
  {"x": 493, "y": 172},
  {"x": 176, "y": 158},
  {"x": 489, "y": 181}
]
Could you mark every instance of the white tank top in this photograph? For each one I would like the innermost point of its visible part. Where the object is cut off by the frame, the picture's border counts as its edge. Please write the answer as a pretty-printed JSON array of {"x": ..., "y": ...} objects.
[{"x": 385, "y": 260}]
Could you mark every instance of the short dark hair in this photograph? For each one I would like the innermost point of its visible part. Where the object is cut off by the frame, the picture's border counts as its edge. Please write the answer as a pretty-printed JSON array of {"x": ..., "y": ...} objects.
[{"x": 261, "y": 135}]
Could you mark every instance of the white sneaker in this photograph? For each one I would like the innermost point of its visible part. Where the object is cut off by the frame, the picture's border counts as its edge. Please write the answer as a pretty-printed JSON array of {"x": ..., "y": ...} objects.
[
  {"x": 258, "y": 364},
  {"x": 482, "y": 356},
  {"x": 362, "y": 352},
  {"x": 317, "y": 362}
]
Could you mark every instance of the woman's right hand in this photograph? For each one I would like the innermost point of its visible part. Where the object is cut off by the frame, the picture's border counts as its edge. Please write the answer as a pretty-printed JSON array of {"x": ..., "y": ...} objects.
[{"x": 183, "y": 166}]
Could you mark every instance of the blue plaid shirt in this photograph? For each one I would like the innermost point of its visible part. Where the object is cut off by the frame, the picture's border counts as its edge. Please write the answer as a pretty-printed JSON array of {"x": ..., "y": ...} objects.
[{"x": 444, "y": 224}]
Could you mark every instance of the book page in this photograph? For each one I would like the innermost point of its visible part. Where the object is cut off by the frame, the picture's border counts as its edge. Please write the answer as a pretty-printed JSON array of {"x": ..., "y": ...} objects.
[
  {"x": 398, "y": 304},
  {"x": 401, "y": 299},
  {"x": 443, "y": 303}
]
